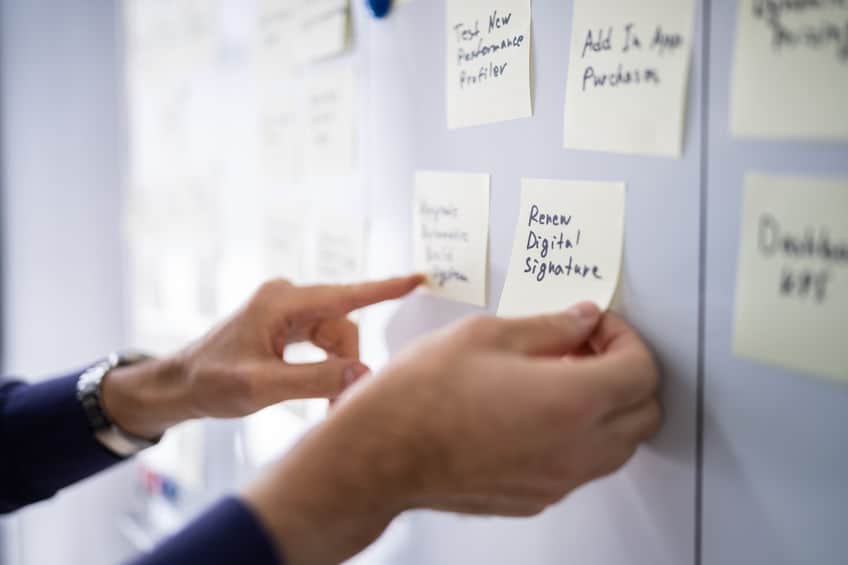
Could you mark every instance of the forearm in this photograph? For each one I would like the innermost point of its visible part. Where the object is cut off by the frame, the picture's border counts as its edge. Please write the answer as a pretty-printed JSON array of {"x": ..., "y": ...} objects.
[
  {"x": 227, "y": 533},
  {"x": 46, "y": 441},
  {"x": 334, "y": 493}
]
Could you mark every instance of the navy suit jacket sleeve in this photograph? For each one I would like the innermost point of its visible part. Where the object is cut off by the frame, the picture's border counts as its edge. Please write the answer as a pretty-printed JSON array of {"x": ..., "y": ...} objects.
[
  {"x": 46, "y": 445},
  {"x": 45, "y": 440}
]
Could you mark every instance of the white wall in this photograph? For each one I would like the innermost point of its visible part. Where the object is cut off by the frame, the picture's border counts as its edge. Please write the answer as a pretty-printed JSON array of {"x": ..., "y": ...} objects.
[{"x": 61, "y": 254}]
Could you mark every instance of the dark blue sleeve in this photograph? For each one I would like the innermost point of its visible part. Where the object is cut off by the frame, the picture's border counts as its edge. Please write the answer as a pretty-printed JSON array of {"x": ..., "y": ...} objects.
[
  {"x": 227, "y": 533},
  {"x": 45, "y": 441}
]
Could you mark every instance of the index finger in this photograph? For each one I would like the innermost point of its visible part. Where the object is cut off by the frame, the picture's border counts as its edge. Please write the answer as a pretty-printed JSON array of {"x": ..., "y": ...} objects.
[{"x": 331, "y": 301}]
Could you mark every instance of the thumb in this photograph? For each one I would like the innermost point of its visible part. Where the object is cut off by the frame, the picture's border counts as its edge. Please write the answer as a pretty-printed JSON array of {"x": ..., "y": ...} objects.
[
  {"x": 551, "y": 334},
  {"x": 327, "y": 379}
]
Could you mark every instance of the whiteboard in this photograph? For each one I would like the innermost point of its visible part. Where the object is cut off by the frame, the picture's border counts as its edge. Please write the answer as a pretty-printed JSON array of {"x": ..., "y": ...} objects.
[
  {"x": 775, "y": 469},
  {"x": 646, "y": 513},
  {"x": 750, "y": 466}
]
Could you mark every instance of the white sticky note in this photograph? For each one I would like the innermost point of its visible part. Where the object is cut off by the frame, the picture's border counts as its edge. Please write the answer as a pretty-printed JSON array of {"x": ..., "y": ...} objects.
[
  {"x": 790, "y": 70},
  {"x": 339, "y": 246},
  {"x": 627, "y": 74},
  {"x": 276, "y": 35},
  {"x": 331, "y": 124},
  {"x": 792, "y": 277},
  {"x": 567, "y": 248},
  {"x": 284, "y": 241},
  {"x": 451, "y": 234},
  {"x": 487, "y": 61},
  {"x": 322, "y": 29}
]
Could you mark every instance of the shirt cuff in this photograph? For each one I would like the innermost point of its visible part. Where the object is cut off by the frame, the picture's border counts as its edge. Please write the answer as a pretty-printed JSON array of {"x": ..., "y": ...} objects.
[
  {"x": 227, "y": 533},
  {"x": 45, "y": 431}
]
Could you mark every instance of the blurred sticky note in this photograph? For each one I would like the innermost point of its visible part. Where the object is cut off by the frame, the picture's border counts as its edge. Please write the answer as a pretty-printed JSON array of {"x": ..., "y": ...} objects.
[
  {"x": 567, "y": 248},
  {"x": 487, "y": 61},
  {"x": 338, "y": 255},
  {"x": 790, "y": 71},
  {"x": 322, "y": 29},
  {"x": 331, "y": 132},
  {"x": 627, "y": 74},
  {"x": 792, "y": 278},
  {"x": 451, "y": 233}
]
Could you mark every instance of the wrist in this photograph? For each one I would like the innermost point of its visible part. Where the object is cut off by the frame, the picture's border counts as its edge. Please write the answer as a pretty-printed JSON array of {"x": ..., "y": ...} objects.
[{"x": 146, "y": 398}]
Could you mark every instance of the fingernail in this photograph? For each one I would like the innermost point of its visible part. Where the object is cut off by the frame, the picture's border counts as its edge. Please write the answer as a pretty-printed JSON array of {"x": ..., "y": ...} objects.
[{"x": 585, "y": 312}]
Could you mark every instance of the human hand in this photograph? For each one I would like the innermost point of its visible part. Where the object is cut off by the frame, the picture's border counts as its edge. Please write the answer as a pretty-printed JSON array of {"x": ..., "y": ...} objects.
[
  {"x": 238, "y": 367},
  {"x": 488, "y": 416}
]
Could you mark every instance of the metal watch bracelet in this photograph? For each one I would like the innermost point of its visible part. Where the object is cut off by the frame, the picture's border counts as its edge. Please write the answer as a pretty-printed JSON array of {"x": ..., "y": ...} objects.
[{"x": 104, "y": 429}]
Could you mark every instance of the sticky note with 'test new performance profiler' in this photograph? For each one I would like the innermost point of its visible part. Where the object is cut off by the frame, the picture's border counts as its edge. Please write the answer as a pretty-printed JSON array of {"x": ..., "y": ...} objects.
[
  {"x": 568, "y": 246},
  {"x": 487, "y": 61}
]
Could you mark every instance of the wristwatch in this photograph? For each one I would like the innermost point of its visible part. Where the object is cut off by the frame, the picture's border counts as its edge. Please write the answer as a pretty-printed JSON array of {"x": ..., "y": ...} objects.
[{"x": 105, "y": 431}]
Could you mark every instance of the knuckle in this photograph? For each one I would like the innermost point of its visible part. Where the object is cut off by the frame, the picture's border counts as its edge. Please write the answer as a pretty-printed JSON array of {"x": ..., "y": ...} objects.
[
  {"x": 271, "y": 288},
  {"x": 480, "y": 328}
]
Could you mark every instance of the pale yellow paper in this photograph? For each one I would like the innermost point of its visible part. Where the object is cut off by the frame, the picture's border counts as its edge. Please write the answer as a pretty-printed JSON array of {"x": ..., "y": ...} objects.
[
  {"x": 790, "y": 71},
  {"x": 585, "y": 237},
  {"x": 276, "y": 36},
  {"x": 627, "y": 74},
  {"x": 322, "y": 29},
  {"x": 792, "y": 306},
  {"x": 331, "y": 123},
  {"x": 451, "y": 234},
  {"x": 487, "y": 61},
  {"x": 339, "y": 246}
]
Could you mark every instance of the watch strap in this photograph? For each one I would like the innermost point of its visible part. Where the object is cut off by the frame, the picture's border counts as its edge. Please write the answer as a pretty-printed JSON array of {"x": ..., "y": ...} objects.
[{"x": 108, "y": 434}]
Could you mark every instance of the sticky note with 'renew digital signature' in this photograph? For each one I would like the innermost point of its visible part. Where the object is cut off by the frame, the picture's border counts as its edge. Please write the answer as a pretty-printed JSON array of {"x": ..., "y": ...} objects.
[
  {"x": 451, "y": 233},
  {"x": 567, "y": 248},
  {"x": 487, "y": 63},
  {"x": 792, "y": 278},
  {"x": 627, "y": 74},
  {"x": 790, "y": 70}
]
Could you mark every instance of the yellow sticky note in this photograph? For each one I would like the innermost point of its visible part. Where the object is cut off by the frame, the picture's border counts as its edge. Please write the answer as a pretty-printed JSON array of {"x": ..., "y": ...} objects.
[
  {"x": 322, "y": 29},
  {"x": 339, "y": 249},
  {"x": 627, "y": 74},
  {"x": 792, "y": 279},
  {"x": 451, "y": 233},
  {"x": 487, "y": 61},
  {"x": 790, "y": 70},
  {"x": 567, "y": 247},
  {"x": 330, "y": 148}
]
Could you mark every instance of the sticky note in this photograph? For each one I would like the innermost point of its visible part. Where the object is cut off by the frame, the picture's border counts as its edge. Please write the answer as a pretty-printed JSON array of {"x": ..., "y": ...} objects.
[
  {"x": 276, "y": 27},
  {"x": 284, "y": 241},
  {"x": 339, "y": 246},
  {"x": 792, "y": 275},
  {"x": 322, "y": 29},
  {"x": 627, "y": 74},
  {"x": 790, "y": 70},
  {"x": 567, "y": 247},
  {"x": 487, "y": 61},
  {"x": 451, "y": 233},
  {"x": 330, "y": 148}
]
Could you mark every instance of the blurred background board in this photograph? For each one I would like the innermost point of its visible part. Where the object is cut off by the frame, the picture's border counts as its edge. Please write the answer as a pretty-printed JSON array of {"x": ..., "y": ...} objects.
[{"x": 751, "y": 464}]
